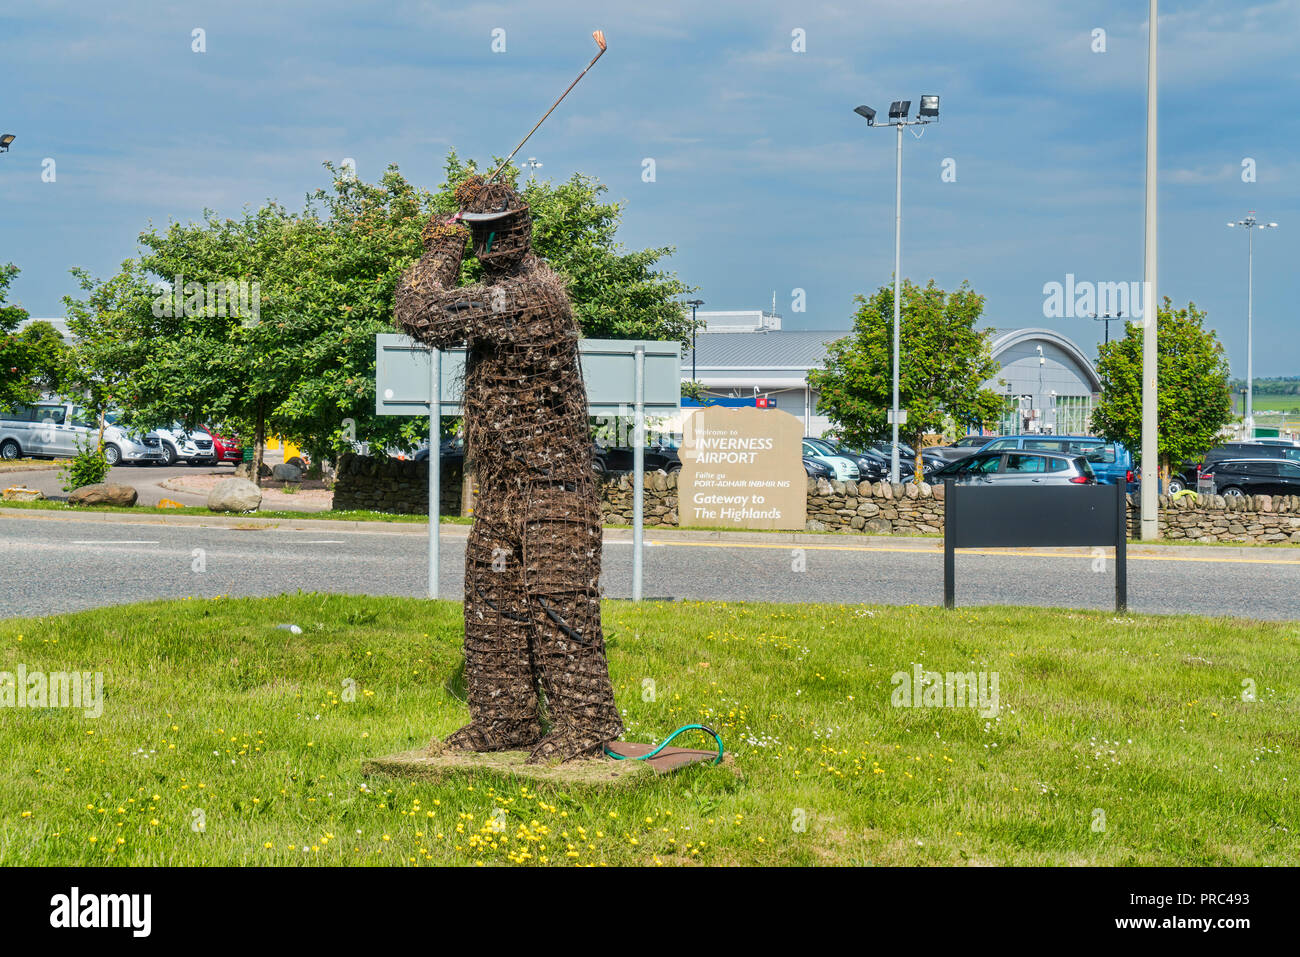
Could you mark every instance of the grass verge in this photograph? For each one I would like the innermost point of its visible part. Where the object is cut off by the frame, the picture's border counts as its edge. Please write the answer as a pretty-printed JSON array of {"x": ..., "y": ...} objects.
[
  {"x": 28, "y": 465},
  {"x": 343, "y": 515},
  {"x": 225, "y": 740}
]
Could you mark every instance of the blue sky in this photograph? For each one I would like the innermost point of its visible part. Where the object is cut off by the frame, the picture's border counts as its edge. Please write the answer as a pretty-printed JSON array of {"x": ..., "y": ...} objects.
[{"x": 764, "y": 178}]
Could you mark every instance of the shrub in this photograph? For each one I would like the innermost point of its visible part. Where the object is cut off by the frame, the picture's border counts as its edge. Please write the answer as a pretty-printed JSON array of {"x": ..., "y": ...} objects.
[{"x": 88, "y": 467}]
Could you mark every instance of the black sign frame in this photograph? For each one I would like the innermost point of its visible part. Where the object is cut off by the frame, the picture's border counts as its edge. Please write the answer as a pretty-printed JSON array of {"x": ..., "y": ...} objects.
[{"x": 1026, "y": 516}]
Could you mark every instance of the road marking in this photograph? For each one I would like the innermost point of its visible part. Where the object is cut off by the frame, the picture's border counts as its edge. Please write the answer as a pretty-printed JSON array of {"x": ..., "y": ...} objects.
[
  {"x": 995, "y": 552},
  {"x": 125, "y": 541}
]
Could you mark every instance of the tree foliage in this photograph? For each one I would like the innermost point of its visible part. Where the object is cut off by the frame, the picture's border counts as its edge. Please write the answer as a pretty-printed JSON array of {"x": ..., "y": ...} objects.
[
  {"x": 304, "y": 366},
  {"x": 33, "y": 359},
  {"x": 944, "y": 362},
  {"x": 1193, "y": 400}
]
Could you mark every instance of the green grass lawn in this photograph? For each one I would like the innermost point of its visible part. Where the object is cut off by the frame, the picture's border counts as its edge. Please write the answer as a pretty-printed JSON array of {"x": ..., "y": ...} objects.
[
  {"x": 27, "y": 465},
  {"x": 213, "y": 715}
]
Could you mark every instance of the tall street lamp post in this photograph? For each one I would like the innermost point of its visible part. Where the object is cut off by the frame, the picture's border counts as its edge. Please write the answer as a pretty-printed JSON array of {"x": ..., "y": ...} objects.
[
  {"x": 1150, "y": 516},
  {"x": 694, "y": 304},
  {"x": 898, "y": 110},
  {"x": 1250, "y": 224}
]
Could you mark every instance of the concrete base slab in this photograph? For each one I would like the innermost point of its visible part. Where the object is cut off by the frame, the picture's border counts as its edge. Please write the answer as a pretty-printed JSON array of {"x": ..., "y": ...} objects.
[{"x": 438, "y": 762}]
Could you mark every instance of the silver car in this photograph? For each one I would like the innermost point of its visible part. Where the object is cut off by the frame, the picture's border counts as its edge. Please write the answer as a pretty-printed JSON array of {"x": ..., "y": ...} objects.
[
  {"x": 1016, "y": 467},
  {"x": 54, "y": 429}
]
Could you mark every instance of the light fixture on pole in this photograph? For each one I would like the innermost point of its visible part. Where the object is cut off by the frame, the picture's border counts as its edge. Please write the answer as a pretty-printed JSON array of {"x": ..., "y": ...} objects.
[
  {"x": 694, "y": 304},
  {"x": 1107, "y": 318},
  {"x": 5, "y": 140},
  {"x": 898, "y": 110},
  {"x": 533, "y": 167},
  {"x": 1250, "y": 224}
]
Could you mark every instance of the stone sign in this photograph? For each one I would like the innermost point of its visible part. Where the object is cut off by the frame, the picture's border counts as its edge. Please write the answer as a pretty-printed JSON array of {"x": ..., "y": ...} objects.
[{"x": 742, "y": 468}]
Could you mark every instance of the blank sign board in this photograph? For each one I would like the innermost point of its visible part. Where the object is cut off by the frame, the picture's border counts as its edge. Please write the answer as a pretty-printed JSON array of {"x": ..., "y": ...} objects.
[{"x": 608, "y": 368}]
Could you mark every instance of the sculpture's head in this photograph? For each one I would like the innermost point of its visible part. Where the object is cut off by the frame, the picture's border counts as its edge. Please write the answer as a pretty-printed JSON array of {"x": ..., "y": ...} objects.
[{"x": 499, "y": 222}]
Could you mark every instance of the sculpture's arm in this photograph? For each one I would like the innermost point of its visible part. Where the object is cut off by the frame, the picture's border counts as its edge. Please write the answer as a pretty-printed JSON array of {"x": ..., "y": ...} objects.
[{"x": 428, "y": 305}]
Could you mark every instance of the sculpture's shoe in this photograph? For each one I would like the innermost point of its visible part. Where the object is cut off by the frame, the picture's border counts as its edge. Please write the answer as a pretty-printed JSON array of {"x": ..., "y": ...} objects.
[{"x": 478, "y": 737}]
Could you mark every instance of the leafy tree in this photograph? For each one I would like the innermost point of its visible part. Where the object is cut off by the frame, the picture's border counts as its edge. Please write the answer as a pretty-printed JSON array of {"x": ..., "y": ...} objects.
[
  {"x": 33, "y": 360},
  {"x": 691, "y": 389},
  {"x": 50, "y": 355},
  {"x": 108, "y": 341},
  {"x": 1193, "y": 401},
  {"x": 944, "y": 362},
  {"x": 326, "y": 276},
  {"x": 1276, "y": 385}
]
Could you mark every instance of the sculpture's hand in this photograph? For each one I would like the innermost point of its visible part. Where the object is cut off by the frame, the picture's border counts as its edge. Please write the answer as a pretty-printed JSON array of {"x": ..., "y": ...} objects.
[{"x": 423, "y": 293}]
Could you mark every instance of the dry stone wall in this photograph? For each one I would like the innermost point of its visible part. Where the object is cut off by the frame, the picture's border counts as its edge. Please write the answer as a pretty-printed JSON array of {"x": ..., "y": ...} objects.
[{"x": 868, "y": 508}]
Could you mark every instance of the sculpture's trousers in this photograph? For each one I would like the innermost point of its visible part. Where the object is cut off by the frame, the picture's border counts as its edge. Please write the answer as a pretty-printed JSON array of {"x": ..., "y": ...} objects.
[{"x": 532, "y": 623}]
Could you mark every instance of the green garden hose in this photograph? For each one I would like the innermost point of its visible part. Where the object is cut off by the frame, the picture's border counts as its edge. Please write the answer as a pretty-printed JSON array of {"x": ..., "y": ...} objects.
[{"x": 664, "y": 744}]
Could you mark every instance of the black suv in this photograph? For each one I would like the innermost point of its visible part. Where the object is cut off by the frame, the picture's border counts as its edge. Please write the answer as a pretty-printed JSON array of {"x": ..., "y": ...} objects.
[
  {"x": 1231, "y": 450},
  {"x": 871, "y": 466},
  {"x": 613, "y": 458},
  {"x": 1255, "y": 476}
]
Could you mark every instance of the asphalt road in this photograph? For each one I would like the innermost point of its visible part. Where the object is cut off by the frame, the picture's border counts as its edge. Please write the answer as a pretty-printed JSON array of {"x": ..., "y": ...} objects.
[{"x": 49, "y": 566}]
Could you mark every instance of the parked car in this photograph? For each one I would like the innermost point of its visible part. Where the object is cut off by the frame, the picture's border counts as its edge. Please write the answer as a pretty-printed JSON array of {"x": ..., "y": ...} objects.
[
  {"x": 906, "y": 454},
  {"x": 192, "y": 446},
  {"x": 451, "y": 452},
  {"x": 968, "y": 445},
  {"x": 54, "y": 429},
  {"x": 870, "y": 467},
  {"x": 1111, "y": 462},
  {"x": 1016, "y": 467},
  {"x": 846, "y": 470},
  {"x": 815, "y": 469},
  {"x": 226, "y": 447},
  {"x": 660, "y": 455},
  {"x": 1187, "y": 474},
  {"x": 1258, "y": 476},
  {"x": 1289, "y": 443}
]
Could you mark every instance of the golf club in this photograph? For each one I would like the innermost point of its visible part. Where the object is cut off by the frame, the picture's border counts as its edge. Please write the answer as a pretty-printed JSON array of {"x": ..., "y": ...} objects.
[{"x": 599, "y": 37}]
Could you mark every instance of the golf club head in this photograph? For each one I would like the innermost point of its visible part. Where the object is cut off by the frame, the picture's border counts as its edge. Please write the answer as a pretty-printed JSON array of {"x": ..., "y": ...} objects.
[{"x": 599, "y": 37}]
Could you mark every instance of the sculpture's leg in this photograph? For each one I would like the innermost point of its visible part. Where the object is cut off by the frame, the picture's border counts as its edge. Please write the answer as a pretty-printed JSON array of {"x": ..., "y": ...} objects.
[
  {"x": 498, "y": 672},
  {"x": 562, "y": 571}
]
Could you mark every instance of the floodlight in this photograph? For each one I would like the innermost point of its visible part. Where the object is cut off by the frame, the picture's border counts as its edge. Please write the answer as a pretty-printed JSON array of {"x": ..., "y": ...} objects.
[
  {"x": 867, "y": 113},
  {"x": 899, "y": 109},
  {"x": 929, "y": 106}
]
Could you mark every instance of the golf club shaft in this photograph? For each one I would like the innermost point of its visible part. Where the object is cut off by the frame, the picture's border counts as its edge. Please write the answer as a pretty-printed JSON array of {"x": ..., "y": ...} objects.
[{"x": 507, "y": 160}]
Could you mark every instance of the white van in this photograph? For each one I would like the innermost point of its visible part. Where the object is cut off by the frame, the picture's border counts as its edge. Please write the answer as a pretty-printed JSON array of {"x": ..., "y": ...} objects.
[{"x": 53, "y": 429}]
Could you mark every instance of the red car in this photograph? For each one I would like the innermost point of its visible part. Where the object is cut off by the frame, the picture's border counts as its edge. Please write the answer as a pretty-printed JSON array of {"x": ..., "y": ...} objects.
[{"x": 226, "y": 447}]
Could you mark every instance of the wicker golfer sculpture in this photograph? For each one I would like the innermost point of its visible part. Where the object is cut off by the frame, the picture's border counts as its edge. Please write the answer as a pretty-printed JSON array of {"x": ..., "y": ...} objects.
[{"x": 532, "y": 563}]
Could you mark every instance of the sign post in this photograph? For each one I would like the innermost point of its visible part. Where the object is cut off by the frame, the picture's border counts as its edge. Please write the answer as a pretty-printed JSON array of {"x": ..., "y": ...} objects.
[
  {"x": 638, "y": 473},
  {"x": 435, "y": 466},
  {"x": 642, "y": 375}
]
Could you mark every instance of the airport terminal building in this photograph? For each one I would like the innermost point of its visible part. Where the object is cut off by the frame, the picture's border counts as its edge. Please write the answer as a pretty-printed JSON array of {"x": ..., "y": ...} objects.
[{"x": 1048, "y": 381}]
